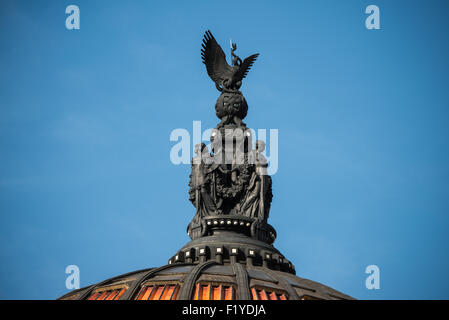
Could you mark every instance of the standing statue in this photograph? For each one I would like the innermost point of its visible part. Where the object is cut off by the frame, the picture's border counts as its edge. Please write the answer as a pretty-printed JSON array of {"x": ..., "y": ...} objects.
[
  {"x": 258, "y": 197},
  {"x": 200, "y": 183},
  {"x": 265, "y": 190}
]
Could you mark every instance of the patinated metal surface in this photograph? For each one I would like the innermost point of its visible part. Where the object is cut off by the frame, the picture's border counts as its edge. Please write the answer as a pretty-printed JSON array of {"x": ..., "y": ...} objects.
[{"x": 231, "y": 255}]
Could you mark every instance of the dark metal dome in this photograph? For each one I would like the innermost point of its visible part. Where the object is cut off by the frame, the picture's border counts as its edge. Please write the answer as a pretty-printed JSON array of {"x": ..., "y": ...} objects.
[
  {"x": 213, "y": 272},
  {"x": 224, "y": 266},
  {"x": 231, "y": 255}
]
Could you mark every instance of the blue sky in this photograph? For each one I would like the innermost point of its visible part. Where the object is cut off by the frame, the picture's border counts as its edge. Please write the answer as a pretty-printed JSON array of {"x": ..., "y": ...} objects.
[{"x": 363, "y": 120}]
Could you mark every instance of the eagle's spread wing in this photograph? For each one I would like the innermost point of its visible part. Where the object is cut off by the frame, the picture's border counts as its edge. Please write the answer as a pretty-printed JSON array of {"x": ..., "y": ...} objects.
[
  {"x": 215, "y": 59},
  {"x": 246, "y": 65}
]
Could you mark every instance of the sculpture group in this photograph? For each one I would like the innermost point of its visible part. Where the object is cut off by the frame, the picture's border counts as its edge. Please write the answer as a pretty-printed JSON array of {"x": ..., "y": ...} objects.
[{"x": 231, "y": 179}]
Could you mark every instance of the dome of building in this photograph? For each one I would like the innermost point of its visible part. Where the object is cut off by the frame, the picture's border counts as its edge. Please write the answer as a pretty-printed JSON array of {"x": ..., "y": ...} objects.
[
  {"x": 231, "y": 255},
  {"x": 224, "y": 266}
]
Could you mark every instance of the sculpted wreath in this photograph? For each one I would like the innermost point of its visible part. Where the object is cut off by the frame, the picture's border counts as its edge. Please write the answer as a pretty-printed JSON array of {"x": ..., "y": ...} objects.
[{"x": 235, "y": 189}]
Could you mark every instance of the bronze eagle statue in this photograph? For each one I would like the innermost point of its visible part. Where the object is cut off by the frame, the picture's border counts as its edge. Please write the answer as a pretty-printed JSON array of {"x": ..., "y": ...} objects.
[{"x": 227, "y": 78}]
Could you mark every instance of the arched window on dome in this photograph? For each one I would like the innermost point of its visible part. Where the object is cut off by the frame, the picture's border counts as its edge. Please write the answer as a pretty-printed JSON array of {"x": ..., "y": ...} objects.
[
  {"x": 214, "y": 291},
  {"x": 264, "y": 293},
  {"x": 108, "y": 293},
  {"x": 158, "y": 291}
]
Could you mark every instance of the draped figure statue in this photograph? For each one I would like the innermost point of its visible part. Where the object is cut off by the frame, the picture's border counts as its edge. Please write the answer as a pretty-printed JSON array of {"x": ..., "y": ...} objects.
[
  {"x": 201, "y": 183},
  {"x": 255, "y": 203}
]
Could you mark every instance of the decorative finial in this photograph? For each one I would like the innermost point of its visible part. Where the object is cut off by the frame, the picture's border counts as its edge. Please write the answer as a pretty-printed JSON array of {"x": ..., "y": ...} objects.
[
  {"x": 229, "y": 187},
  {"x": 226, "y": 77},
  {"x": 231, "y": 106}
]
